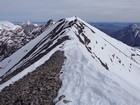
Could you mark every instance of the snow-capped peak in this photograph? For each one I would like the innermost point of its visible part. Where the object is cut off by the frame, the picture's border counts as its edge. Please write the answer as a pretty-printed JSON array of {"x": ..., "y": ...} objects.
[
  {"x": 27, "y": 22},
  {"x": 98, "y": 70}
]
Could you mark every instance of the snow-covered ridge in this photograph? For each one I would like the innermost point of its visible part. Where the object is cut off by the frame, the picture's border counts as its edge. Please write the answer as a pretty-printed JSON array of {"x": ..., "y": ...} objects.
[
  {"x": 115, "y": 53},
  {"x": 99, "y": 70}
]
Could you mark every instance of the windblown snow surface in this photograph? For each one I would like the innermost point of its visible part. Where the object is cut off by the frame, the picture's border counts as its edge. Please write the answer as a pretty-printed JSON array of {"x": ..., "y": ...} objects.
[{"x": 98, "y": 70}]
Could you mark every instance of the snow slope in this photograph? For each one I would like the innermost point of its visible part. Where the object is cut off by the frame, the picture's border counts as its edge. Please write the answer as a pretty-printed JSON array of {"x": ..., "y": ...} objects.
[
  {"x": 99, "y": 70},
  {"x": 86, "y": 84},
  {"x": 8, "y": 25}
]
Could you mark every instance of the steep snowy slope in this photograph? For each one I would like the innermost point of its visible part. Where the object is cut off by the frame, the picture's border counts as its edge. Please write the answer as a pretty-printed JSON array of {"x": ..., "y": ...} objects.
[{"x": 99, "y": 70}]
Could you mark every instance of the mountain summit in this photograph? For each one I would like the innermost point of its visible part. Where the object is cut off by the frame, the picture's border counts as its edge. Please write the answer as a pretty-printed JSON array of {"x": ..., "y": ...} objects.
[{"x": 97, "y": 69}]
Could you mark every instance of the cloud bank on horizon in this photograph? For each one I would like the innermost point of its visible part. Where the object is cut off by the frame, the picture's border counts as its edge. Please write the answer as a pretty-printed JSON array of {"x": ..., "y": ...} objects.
[{"x": 89, "y": 10}]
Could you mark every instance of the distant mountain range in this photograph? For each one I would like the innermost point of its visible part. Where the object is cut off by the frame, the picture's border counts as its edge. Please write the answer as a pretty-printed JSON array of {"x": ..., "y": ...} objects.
[
  {"x": 128, "y": 33},
  {"x": 110, "y": 27}
]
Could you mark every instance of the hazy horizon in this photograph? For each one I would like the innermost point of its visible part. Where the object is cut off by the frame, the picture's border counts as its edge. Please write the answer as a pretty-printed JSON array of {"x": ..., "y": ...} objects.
[
  {"x": 86, "y": 21},
  {"x": 88, "y": 10}
]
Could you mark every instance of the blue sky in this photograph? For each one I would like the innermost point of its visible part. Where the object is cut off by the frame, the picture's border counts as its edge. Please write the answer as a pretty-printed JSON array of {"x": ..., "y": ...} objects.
[{"x": 88, "y": 10}]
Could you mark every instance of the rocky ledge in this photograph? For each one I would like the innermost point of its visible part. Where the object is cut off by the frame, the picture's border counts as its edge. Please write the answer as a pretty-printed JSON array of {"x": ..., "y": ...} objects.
[{"x": 39, "y": 87}]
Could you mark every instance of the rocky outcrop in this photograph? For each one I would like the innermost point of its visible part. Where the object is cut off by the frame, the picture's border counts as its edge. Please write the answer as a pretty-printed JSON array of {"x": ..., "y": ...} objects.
[
  {"x": 39, "y": 87},
  {"x": 13, "y": 39}
]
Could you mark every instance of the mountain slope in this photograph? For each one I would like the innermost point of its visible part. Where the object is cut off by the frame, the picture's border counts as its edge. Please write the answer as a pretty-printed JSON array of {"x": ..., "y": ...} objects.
[
  {"x": 7, "y": 25},
  {"x": 129, "y": 35},
  {"x": 98, "y": 69}
]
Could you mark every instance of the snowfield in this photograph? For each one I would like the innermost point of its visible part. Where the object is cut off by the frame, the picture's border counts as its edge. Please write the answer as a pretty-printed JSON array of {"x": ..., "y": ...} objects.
[
  {"x": 84, "y": 83},
  {"x": 7, "y": 25},
  {"x": 98, "y": 69}
]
